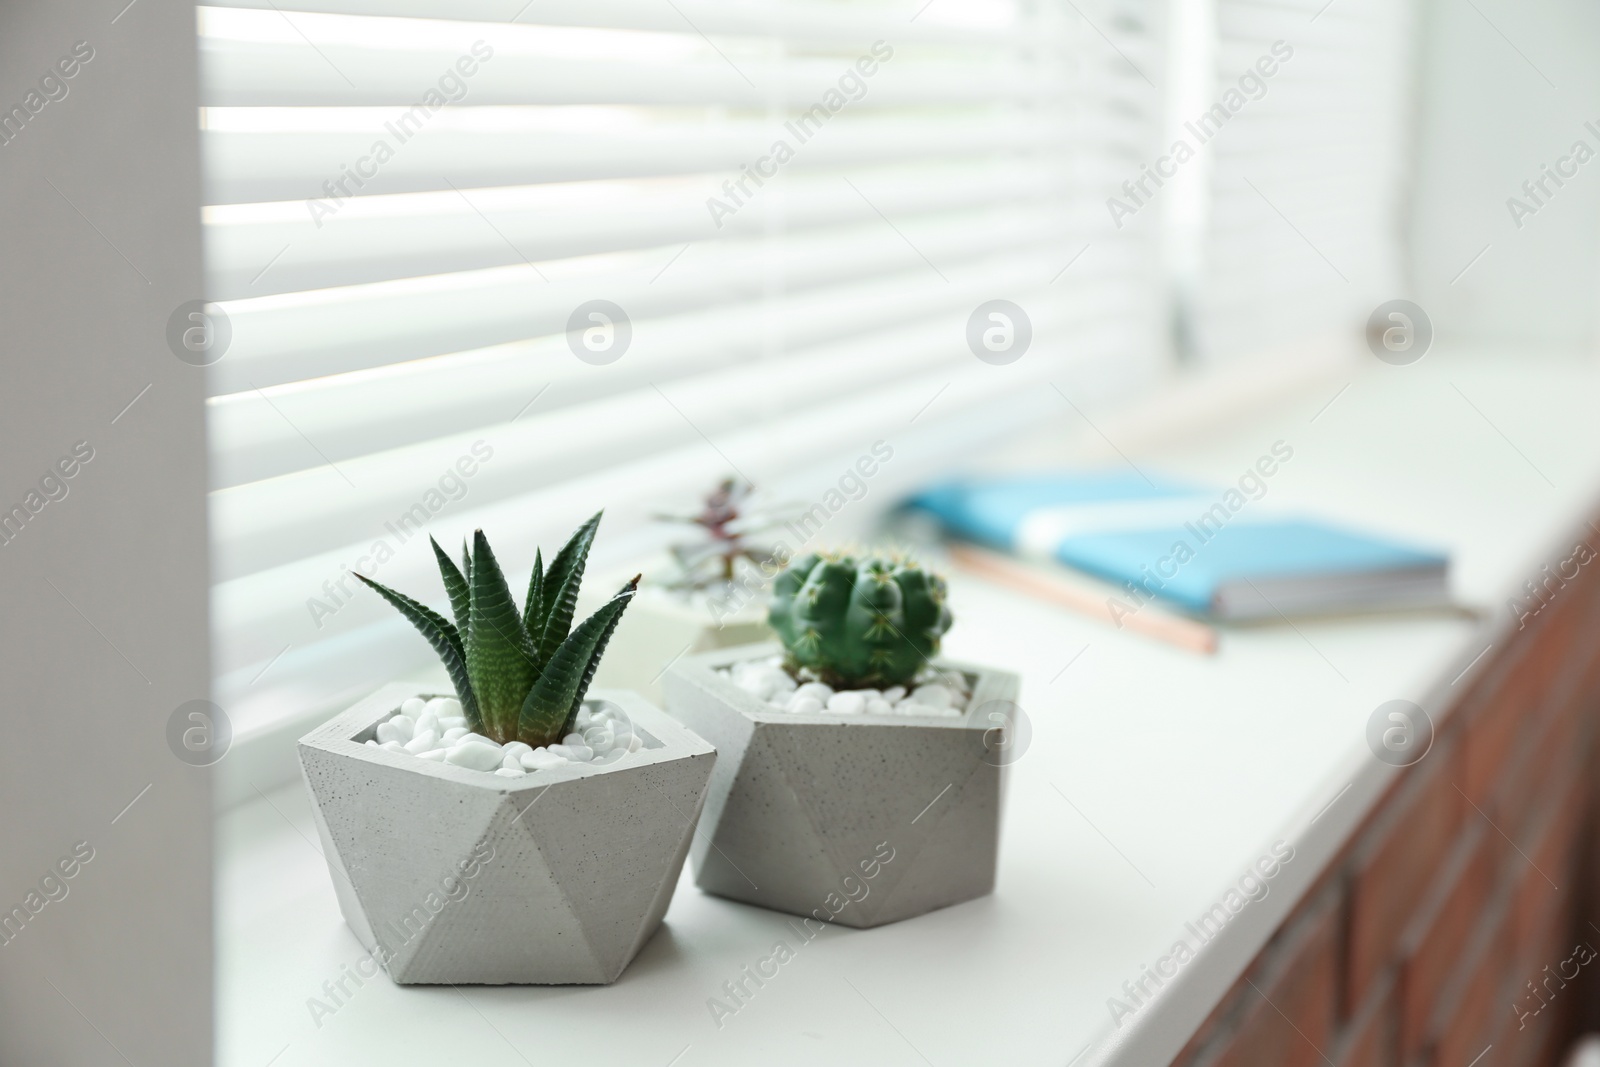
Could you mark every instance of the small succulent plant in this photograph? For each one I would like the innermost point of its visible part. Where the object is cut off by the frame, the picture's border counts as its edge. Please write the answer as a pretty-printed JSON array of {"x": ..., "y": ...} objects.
[
  {"x": 728, "y": 522},
  {"x": 519, "y": 676},
  {"x": 856, "y": 623}
]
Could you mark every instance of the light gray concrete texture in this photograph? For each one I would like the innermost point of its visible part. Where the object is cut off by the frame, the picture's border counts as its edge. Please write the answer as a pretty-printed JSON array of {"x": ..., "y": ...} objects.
[
  {"x": 800, "y": 805},
  {"x": 458, "y": 876}
]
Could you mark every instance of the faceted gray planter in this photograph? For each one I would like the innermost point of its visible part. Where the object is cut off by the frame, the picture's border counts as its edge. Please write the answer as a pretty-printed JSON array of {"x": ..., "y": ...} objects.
[
  {"x": 450, "y": 875},
  {"x": 802, "y": 807}
]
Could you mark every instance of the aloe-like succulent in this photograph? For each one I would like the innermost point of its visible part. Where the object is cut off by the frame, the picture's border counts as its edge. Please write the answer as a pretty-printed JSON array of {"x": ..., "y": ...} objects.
[
  {"x": 519, "y": 676},
  {"x": 855, "y": 623}
]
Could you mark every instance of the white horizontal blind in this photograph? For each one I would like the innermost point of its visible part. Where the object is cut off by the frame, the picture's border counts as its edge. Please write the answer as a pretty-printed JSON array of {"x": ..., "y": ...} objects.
[
  {"x": 1308, "y": 178},
  {"x": 398, "y": 338}
]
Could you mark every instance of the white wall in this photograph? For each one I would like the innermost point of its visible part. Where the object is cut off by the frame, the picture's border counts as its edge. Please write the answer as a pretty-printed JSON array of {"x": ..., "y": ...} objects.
[
  {"x": 1488, "y": 118},
  {"x": 104, "y": 590}
]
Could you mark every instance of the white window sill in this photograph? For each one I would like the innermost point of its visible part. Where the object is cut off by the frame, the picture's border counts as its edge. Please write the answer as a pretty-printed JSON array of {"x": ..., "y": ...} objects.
[{"x": 1154, "y": 778}]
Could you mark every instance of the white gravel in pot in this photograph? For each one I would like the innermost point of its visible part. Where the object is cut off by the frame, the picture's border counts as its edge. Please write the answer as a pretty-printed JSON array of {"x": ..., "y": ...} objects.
[
  {"x": 936, "y": 693},
  {"x": 435, "y": 730}
]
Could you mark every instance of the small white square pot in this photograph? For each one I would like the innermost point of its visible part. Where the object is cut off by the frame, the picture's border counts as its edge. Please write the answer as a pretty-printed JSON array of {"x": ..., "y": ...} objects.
[
  {"x": 660, "y": 626},
  {"x": 450, "y": 875},
  {"x": 802, "y": 807}
]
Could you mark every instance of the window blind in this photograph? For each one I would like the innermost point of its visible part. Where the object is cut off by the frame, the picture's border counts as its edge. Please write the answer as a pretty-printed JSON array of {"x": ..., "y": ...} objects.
[
  {"x": 1309, "y": 169},
  {"x": 408, "y": 203}
]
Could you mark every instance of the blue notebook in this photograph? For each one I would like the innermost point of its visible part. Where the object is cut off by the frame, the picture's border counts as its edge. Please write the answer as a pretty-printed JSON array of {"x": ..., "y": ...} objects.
[{"x": 1222, "y": 552}]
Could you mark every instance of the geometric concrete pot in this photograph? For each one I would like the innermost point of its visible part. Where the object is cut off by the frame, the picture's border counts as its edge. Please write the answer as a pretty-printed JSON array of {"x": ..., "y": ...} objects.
[
  {"x": 450, "y": 875},
  {"x": 801, "y": 806}
]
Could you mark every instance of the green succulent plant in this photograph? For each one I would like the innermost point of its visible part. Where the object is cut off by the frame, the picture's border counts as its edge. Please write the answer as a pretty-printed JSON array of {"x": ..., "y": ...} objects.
[
  {"x": 519, "y": 676},
  {"x": 855, "y": 623}
]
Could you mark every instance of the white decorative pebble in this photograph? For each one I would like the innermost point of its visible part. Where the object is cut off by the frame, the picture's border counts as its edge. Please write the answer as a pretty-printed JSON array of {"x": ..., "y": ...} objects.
[
  {"x": 474, "y": 756},
  {"x": 454, "y": 734},
  {"x": 764, "y": 680},
  {"x": 911, "y": 707},
  {"x": 449, "y": 706},
  {"x": 477, "y": 739},
  {"x": 513, "y": 771},
  {"x": 847, "y": 703},
  {"x": 879, "y": 706},
  {"x": 895, "y": 694},
  {"x": 541, "y": 760},
  {"x": 932, "y": 694},
  {"x": 398, "y": 729},
  {"x": 426, "y": 741},
  {"x": 412, "y": 707},
  {"x": 434, "y": 755},
  {"x": 516, "y": 748},
  {"x": 372, "y": 744},
  {"x": 804, "y": 704},
  {"x": 427, "y": 721},
  {"x": 391, "y": 746},
  {"x": 450, "y": 722},
  {"x": 816, "y": 691},
  {"x": 572, "y": 739}
]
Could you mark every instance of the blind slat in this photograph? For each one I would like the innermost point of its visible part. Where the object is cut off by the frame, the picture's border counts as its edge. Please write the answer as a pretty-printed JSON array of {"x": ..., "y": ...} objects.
[
  {"x": 285, "y": 338},
  {"x": 259, "y": 435},
  {"x": 804, "y": 23},
  {"x": 269, "y": 249},
  {"x": 324, "y": 74},
  {"x": 520, "y": 146}
]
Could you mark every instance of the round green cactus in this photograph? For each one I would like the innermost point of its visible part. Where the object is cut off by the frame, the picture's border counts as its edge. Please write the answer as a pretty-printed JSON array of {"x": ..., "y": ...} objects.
[{"x": 859, "y": 623}]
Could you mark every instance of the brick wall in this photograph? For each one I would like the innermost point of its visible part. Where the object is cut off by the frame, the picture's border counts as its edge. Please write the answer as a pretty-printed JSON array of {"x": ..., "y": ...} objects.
[{"x": 1441, "y": 934}]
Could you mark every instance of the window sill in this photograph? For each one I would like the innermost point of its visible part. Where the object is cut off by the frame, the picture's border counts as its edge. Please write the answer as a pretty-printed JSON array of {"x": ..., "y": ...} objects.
[{"x": 1154, "y": 779}]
